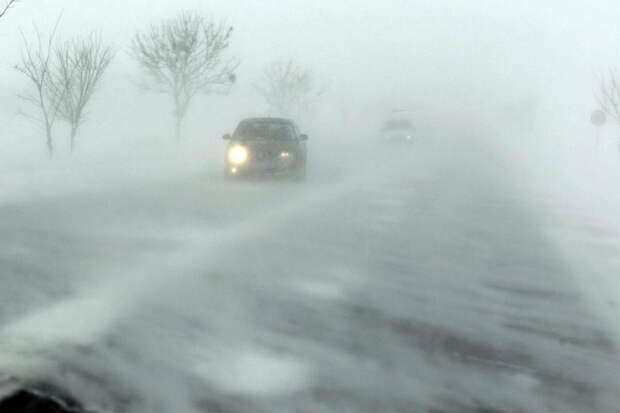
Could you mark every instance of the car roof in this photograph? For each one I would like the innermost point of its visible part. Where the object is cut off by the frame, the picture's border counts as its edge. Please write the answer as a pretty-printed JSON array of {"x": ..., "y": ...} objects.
[{"x": 274, "y": 120}]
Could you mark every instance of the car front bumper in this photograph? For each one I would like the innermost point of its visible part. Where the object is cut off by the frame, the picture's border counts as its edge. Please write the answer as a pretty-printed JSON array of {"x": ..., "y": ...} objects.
[{"x": 273, "y": 168}]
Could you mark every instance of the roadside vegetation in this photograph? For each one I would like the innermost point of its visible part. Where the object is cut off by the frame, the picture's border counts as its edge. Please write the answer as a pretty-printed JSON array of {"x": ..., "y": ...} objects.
[
  {"x": 179, "y": 57},
  {"x": 7, "y": 5}
]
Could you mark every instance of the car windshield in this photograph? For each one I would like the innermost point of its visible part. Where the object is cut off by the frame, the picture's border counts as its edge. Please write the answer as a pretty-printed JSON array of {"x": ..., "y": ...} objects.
[
  {"x": 392, "y": 125},
  {"x": 265, "y": 130}
]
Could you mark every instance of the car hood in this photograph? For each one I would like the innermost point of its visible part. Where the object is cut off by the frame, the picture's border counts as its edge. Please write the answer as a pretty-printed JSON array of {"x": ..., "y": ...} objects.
[{"x": 269, "y": 145}]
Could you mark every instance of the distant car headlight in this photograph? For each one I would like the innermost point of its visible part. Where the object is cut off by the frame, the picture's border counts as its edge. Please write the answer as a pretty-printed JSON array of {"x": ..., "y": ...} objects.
[
  {"x": 237, "y": 155},
  {"x": 285, "y": 155}
]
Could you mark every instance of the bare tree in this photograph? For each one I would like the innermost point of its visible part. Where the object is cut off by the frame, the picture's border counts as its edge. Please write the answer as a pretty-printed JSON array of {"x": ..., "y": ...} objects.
[
  {"x": 37, "y": 65},
  {"x": 183, "y": 56},
  {"x": 80, "y": 65},
  {"x": 608, "y": 96},
  {"x": 287, "y": 88},
  {"x": 8, "y": 4}
]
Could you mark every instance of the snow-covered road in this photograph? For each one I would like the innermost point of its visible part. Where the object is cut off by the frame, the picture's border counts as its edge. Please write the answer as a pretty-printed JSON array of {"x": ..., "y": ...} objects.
[{"x": 421, "y": 280}]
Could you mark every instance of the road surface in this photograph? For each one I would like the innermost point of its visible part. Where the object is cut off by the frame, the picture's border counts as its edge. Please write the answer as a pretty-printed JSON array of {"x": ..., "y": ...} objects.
[{"x": 421, "y": 280}]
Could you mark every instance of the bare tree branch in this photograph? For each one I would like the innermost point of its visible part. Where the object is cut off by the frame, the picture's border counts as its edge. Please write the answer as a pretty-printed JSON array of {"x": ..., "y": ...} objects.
[
  {"x": 7, "y": 6},
  {"x": 36, "y": 65},
  {"x": 79, "y": 67},
  {"x": 608, "y": 96},
  {"x": 288, "y": 89},
  {"x": 183, "y": 56}
]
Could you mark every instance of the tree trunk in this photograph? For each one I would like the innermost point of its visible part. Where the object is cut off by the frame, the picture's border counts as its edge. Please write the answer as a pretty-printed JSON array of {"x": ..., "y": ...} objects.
[
  {"x": 73, "y": 133},
  {"x": 50, "y": 144},
  {"x": 180, "y": 110}
]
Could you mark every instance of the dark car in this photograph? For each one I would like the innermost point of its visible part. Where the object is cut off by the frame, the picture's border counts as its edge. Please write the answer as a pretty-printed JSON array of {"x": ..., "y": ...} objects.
[
  {"x": 398, "y": 130},
  {"x": 266, "y": 147}
]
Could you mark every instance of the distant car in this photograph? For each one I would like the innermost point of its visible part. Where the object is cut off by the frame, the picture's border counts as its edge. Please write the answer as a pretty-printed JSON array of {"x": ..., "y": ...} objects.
[
  {"x": 398, "y": 130},
  {"x": 266, "y": 147}
]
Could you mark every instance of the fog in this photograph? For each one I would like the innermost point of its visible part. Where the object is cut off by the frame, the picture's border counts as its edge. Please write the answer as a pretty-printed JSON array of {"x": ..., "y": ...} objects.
[
  {"x": 447, "y": 57},
  {"x": 471, "y": 267}
]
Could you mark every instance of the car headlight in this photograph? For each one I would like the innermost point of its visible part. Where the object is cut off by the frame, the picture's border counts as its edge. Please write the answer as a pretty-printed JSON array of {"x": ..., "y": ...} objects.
[
  {"x": 237, "y": 155},
  {"x": 285, "y": 155}
]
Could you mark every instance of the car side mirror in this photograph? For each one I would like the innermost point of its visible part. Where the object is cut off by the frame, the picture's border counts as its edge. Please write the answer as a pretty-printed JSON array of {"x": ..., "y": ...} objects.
[
  {"x": 226, "y": 137},
  {"x": 303, "y": 137}
]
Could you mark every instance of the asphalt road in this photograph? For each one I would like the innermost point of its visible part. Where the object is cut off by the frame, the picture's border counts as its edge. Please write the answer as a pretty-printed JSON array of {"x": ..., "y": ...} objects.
[{"x": 411, "y": 280}]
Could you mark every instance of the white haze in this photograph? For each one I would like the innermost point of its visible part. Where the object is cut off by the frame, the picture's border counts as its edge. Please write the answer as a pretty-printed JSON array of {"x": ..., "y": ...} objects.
[
  {"x": 507, "y": 188},
  {"x": 450, "y": 56}
]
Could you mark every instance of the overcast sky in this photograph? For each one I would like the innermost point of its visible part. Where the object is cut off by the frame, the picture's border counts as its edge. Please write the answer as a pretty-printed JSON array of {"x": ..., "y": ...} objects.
[{"x": 480, "y": 51}]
